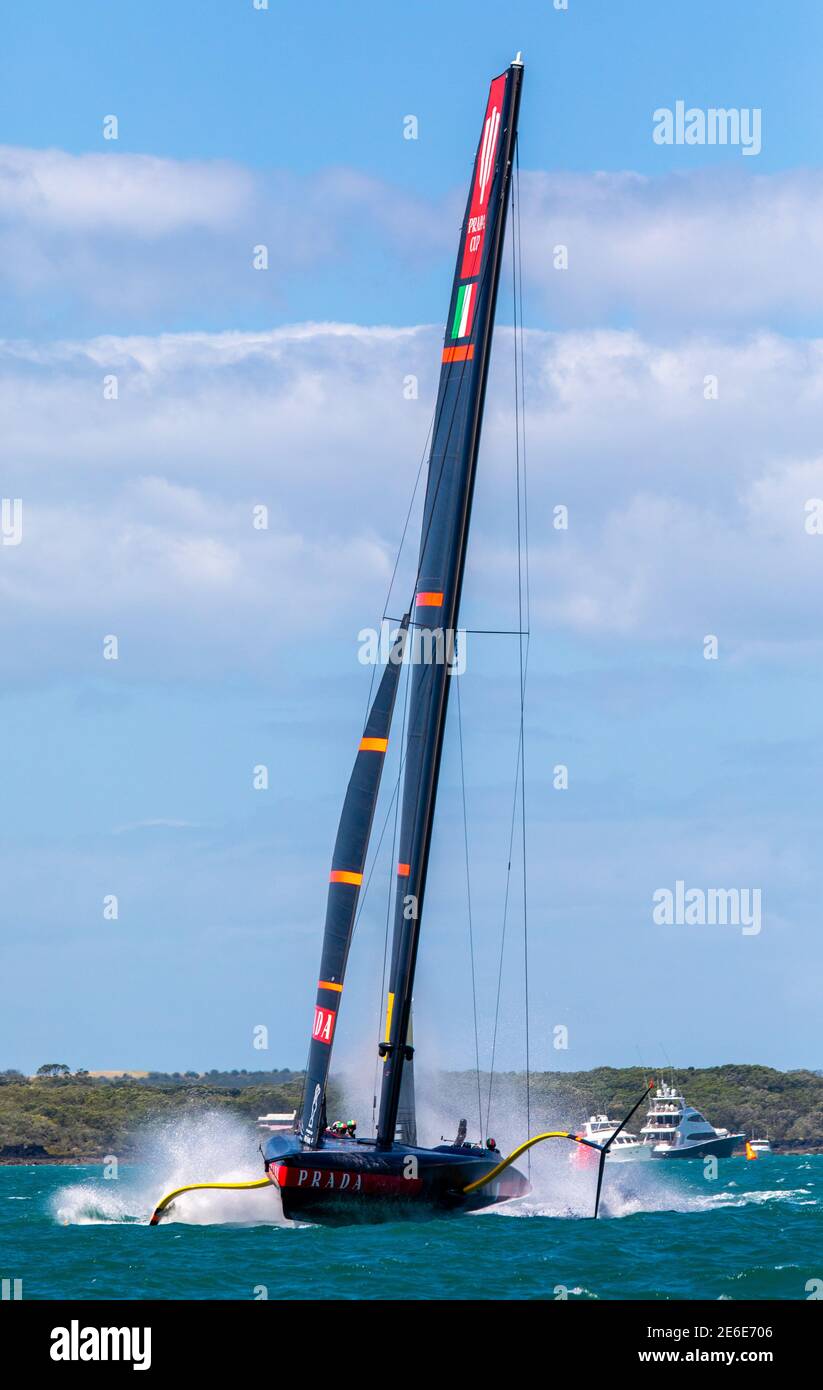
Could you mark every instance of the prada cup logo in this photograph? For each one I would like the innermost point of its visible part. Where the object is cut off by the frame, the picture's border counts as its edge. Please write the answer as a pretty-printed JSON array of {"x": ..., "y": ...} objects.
[
  {"x": 487, "y": 149},
  {"x": 475, "y": 228}
]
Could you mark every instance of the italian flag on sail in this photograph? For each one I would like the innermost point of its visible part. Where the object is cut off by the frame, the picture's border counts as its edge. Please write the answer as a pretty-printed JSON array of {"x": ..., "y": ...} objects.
[{"x": 464, "y": 311}]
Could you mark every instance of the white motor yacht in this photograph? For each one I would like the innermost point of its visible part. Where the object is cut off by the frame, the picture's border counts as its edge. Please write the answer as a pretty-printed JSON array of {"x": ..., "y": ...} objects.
[
  {"x": 674, "y": 1129},
  {"x": 626, "y": 1148}
]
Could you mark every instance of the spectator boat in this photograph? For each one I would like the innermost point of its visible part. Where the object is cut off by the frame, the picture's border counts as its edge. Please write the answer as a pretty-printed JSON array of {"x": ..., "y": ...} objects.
[{"x": 674, "y": 1129}]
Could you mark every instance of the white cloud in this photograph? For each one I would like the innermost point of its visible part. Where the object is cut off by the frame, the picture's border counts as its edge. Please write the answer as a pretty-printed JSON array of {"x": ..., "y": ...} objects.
[
  {"x": 128, "y": 234},
  {"x": 687, "y": 515},
  {"x": 134, "y": 193},
  {"x": 144, "y": 236},
  {"x": 700, "y": 248}
]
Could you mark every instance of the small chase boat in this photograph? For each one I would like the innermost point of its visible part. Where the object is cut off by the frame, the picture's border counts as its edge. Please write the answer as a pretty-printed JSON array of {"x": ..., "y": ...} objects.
[
  {"x": 625, "y": 1147},
  {"x": 760, "y": 1146}
]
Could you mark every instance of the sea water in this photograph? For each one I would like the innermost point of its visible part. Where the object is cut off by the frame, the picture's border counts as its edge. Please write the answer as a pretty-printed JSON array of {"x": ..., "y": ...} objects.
[{"x": 666, "y": 1231}]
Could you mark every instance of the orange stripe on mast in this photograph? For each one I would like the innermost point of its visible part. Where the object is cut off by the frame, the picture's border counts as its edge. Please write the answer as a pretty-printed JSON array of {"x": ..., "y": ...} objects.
[
  {"x": 429, "y": 599},
  {"x": 345, "y": 876},
  {"x": 373, "y": 745},
  {"x": 329, "y": 984},
  {"x": 459, "y": 354},
  {"x": 404, "y": 870}
]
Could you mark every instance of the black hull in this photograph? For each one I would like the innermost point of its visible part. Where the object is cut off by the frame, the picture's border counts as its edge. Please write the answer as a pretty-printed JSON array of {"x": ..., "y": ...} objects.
[
  {"x": 345, "y": 1184},
  {"x": 720, "y": 1148}
]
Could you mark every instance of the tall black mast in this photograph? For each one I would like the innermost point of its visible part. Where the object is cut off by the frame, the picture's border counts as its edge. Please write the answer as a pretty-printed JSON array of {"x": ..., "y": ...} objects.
[{"x": 447, "y": 512}]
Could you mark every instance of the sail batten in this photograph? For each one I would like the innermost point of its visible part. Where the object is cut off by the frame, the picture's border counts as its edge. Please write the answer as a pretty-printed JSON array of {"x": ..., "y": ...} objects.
[
  {"x": 446, "y": 516},
  {"x": 345, "y": 881}
]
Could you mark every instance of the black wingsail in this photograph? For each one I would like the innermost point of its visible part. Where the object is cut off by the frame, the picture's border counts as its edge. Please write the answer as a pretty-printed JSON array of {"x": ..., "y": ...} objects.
[
  {"x": 451, "y": 474},
  {"x": 345, "y": 879}
]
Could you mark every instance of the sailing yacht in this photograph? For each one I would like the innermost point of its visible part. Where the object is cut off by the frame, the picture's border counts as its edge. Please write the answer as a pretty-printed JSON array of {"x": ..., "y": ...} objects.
[
  {"x": 325, "y": 1177},
  {"x": 322, "y": 1174}
]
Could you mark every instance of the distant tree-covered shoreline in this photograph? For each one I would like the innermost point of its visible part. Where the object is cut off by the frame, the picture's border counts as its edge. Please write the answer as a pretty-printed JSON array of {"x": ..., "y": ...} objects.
[{"x": 61, "y": 1115}]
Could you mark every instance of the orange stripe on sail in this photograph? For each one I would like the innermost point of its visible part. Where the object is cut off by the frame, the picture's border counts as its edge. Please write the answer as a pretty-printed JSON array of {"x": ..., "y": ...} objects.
[
  {"x": 329, "y": 984},
  {"x": 459, "y": 354},
  {"x": 429, "y": 600},
  {"x": 373, "y": 745},
  {"x": 345, "y": 876},
  {"x": 404, "y": 870}
]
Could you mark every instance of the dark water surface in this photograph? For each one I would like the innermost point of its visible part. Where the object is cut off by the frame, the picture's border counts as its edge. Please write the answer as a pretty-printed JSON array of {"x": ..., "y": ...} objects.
[{"x": 754, "y": 1232}]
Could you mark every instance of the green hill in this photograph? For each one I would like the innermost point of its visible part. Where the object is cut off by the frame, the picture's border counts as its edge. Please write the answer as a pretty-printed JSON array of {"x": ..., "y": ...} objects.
[
  {"x": 786, "y": 1105},
  {"x": 79, "y": 1116}
]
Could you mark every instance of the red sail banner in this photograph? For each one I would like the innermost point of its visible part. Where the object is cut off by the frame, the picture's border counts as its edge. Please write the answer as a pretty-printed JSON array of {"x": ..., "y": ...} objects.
[{"x": 483, "y": 178}]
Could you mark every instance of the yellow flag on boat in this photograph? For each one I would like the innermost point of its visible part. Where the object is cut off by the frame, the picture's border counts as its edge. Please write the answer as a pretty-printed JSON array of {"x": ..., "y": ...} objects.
[{"x": 750, "y": 1152}]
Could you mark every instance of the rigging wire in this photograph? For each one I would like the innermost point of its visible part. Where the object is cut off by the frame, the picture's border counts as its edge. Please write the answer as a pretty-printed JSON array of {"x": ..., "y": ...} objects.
[
  {"x": 370, "y": 691},
  {"x": 389, "y": 898},
  {"x": 400, "y": 545},
  {"x": 523, "y": 392},
  {"x": 423, "y": 458},
  {"x": 503, "y": 936},
  {"x": 433, "y": 428},
  {"x": 431, "y": 508},
  {"x": 520, "y": 414},
  {"x": 473, "y": 631},
  {"x": 522, "y": 632},
  {"x": 469, "y": 903},
  {"x": 395, "y": 801}
]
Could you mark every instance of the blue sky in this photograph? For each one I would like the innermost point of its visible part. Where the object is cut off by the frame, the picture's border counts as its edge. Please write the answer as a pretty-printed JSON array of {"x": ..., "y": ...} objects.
[
  {"x": 271, "y": 88},
  {"x": 239, "y": 647},
  {"x": 273, "y": 91}
]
